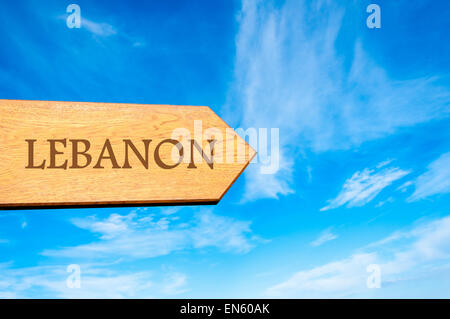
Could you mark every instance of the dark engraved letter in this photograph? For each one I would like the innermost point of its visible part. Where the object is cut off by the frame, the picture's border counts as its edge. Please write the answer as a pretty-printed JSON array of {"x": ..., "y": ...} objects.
[
  {"x": 158, "y": 157},
  {"x": 54, "y": 152},
  {"x": 209, "y": 161},
  {"x": 31, "y": 156},
  {"x": 76, "y": 152},
  {"x": 112, "y": 157},
  {"x": 144, "y": 162}
]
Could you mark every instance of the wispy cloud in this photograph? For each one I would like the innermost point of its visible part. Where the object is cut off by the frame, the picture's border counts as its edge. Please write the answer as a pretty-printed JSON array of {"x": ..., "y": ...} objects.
[
  {"x": 324, "y": 237},
  {"x": 146, "y": 235},
  {"x": 267, "y": 186},
  {"x": 364, "y": 186},
  {"x": 95, "y": 282},
  {"x": 104, "y": 30},
  {"x": 383, "y": 202},
  {"x": 436, "y": 180},
  {"x": 175, "y": 284},
  {"x": 404, "y": 254},
  {"x": 99, "y": 29},
  {"x": 404, "y": 187},
  {"x": 289, "y": 74},
  {"x": 332, "y": 278}
]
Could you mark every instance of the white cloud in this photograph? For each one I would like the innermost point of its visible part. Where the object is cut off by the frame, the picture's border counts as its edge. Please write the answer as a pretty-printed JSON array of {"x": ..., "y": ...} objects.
[
  {"x": 106, "y": 30},
  {"x": 383, "y": 202},
  {"x": 175, "y": 284},
  {"x": 99, "y": 29},
  {"x": 402, "y": 255},
  {"x": 436, "y": 180},
  {"x": 364, "y": 186},
  {"x": 404, "y": 187},
  {"x": 137, "y": 236},
  {"x": 267, "y": 185},
  {"x": 324, "y": 237},
  {"x": 331, "y": 278},
  {"x": 289, "y": 74},
  {"x": 222, "y": 232},
  {"x": 96, "y": 281}
]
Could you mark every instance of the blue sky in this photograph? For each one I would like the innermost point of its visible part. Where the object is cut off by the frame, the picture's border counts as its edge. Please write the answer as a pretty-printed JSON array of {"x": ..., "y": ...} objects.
[{"x": 363, "y": 118}]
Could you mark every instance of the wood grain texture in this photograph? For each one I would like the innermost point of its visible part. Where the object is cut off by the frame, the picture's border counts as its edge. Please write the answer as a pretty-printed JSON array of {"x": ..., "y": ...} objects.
[{"x": 96, "y": 122}]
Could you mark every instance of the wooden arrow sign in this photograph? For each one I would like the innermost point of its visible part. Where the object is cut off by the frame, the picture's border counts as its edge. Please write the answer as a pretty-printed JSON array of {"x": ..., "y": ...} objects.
[{"x": 70, "y": 154}]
